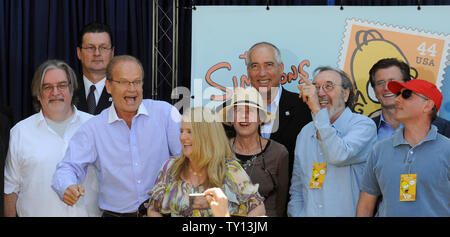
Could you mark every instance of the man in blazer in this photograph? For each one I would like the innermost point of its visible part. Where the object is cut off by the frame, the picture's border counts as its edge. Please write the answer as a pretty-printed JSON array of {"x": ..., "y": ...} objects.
[
  {"x": 264, "y": 68},
  {"x": 95, "y": 49}
]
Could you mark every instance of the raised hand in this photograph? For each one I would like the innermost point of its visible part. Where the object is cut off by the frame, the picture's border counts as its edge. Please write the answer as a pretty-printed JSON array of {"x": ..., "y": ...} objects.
[{"x": 308, "y": 93}]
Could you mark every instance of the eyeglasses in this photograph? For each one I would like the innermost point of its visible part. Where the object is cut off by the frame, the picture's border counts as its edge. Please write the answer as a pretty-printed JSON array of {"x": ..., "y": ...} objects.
[
  {"x": 136, "y": 83},
  {"x": 92, "y": 49},
  {"x": 327, "y": 87},
  {"x": 382, "y": 83},
  {"x": 407, "y": 93},
  {"x": 47, "y": 88}
]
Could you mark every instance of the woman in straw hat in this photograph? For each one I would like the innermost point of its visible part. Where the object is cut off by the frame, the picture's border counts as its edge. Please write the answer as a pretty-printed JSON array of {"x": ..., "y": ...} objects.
[
  {"x": 206, "y": 162},
  {"x": 265, "y": 161}
]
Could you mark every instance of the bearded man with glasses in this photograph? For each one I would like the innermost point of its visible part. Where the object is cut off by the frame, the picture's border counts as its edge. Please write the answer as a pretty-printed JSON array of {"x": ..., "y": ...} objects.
[
  {"x": 331, "y": 151},
  {"x": 410, "y": 170}
]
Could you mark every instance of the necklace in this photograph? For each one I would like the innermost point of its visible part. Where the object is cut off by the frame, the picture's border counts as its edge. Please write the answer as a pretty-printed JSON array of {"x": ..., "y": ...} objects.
[
  {"x": 195, "y": 173},
  {"x": 249, "y": 163}
]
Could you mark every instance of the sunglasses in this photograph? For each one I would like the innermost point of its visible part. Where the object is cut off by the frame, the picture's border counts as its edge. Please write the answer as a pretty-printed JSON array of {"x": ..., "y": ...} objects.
[{"x": 407, "y": 93}]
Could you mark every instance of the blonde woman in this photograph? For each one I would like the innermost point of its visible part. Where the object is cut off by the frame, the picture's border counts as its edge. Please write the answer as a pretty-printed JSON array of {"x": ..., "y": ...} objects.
[{"x": 206, "y": 162}]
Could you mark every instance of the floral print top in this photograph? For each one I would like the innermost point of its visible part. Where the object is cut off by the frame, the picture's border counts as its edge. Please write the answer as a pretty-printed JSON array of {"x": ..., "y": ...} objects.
[{"x": 171, "y": 197}]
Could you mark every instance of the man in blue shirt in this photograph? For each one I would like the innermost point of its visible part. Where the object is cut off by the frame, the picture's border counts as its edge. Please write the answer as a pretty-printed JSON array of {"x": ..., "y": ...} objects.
[
  {"x": 331, "y": 151},
  {"x": 127, "y": 143},
  {"x": 410, "y": 169},
  {"x": 381, "y": 73}
]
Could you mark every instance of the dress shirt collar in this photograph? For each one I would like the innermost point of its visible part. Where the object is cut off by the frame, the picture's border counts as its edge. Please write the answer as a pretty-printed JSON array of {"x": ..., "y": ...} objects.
[
  {"x": 98, "y": 87},
  {"x": 399, "y": 139},
  {"x": 76, "y": 116},
  {"x": 342, "y": 121},
  {"x": 112, "y": 116},
  {"x": 276, "y": 101},
  {"x": 383, "y": 122}
]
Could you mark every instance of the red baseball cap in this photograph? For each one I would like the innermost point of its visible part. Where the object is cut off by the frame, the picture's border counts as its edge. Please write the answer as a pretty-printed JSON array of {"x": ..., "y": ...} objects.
[{"x": 423, "y": 87}]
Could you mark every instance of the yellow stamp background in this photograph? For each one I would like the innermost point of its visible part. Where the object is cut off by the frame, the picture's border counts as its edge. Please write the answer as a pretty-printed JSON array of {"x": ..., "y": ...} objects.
[{"x": 366, "y": 43}]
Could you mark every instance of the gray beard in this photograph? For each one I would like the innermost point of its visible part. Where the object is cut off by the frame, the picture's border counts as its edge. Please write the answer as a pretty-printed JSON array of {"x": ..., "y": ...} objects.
[{"x": 334, "y": 110}]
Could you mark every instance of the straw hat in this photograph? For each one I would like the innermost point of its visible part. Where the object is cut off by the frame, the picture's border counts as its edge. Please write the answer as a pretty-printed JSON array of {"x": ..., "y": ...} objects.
[{"x": 245, "y": 96}]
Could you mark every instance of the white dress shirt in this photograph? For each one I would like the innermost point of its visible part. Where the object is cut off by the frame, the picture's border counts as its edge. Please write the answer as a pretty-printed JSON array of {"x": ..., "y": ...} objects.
[
  {"x": 98, "y": 88},
  {"x": 266, "y": 129},
  {"x": 34, "y": 151}
]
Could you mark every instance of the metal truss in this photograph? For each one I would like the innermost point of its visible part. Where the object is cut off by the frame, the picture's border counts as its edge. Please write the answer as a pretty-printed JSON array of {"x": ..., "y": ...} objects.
[{"x": 164, "y": 47}]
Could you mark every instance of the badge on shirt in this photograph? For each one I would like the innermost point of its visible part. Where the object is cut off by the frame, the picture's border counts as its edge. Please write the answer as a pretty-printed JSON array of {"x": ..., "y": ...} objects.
[
  {"x": 318, "y": 175},
  {"x": 408, "y": 187}
]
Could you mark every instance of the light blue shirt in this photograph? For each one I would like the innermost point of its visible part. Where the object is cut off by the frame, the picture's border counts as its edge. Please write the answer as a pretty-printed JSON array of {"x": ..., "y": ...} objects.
[
  {"x": 266, "y": 129},
  {"x": 345, "y": 147},
  {"x": 430, "y": 160},
  {"x": 385, "y": 130},
  {"x": 127, "y": 159}
]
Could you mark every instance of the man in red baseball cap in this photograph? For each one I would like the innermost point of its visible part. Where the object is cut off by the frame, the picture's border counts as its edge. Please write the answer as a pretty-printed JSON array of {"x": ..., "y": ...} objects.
[{"x": 410, "y": 169}]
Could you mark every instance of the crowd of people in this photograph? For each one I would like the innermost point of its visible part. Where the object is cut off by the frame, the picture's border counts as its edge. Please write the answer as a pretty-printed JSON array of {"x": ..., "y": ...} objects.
[{"x": 96, "y": 148}]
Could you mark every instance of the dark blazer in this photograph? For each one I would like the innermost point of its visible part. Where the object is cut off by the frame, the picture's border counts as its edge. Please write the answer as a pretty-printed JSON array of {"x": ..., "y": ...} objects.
[
  {"x": 292, "y": 115},
  {"x": 81, "y": 103},
  {"x": 442, "y": 125}
]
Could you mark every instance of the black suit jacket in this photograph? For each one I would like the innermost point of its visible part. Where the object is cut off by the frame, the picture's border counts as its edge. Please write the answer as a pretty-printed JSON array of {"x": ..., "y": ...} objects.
[
  {"x": 80, "y": 95},
  {"x": 291, "y": 116},
  {"x": 442, "y": 125}
]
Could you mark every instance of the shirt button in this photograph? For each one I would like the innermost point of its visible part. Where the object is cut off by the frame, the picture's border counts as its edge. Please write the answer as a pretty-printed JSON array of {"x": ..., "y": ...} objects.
[
  {"x": 139, "y": 182},
  {"x": 136, "y": 164},
  {"x": 320, "y": 206},
  {"x": 411, "y": 152}
]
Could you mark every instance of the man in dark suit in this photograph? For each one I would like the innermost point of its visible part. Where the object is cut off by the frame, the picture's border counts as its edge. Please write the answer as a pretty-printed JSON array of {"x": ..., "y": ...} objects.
[
  {"x": 382, "y": 72},
  {"x": 264, "y": 69},
  {"x": 95, "y": 49}
]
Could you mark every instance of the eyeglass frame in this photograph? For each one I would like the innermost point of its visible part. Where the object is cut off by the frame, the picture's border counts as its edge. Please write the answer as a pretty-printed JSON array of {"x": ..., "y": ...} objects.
[
  {"x": 136, "y": 84},
  {"x": 61, "y": 86},
  {"x": 327, "y": 86},
  {"x": 92, "y": 49},
  {"x": 406, "y": 94}
]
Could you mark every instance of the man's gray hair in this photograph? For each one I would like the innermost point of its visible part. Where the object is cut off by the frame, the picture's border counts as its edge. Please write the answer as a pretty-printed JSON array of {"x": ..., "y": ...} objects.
[
  {"x": 38, "y": 78},
  {"x": 277, "y": 54},
  {"x": 346, "y": 83}
]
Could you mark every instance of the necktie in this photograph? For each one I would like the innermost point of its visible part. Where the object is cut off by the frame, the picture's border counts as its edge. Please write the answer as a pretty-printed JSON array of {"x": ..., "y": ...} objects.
[{"x": 91, "y": 100}]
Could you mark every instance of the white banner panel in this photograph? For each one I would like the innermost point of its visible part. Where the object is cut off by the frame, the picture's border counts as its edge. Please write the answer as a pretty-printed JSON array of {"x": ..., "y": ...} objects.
[{"x": 311, "y": 36}]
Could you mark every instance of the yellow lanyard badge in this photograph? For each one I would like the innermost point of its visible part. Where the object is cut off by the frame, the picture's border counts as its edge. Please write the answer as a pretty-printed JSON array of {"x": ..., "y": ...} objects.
[
  {"x": 318, "y": 175},
  {"x": 408, "y": 187}
]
